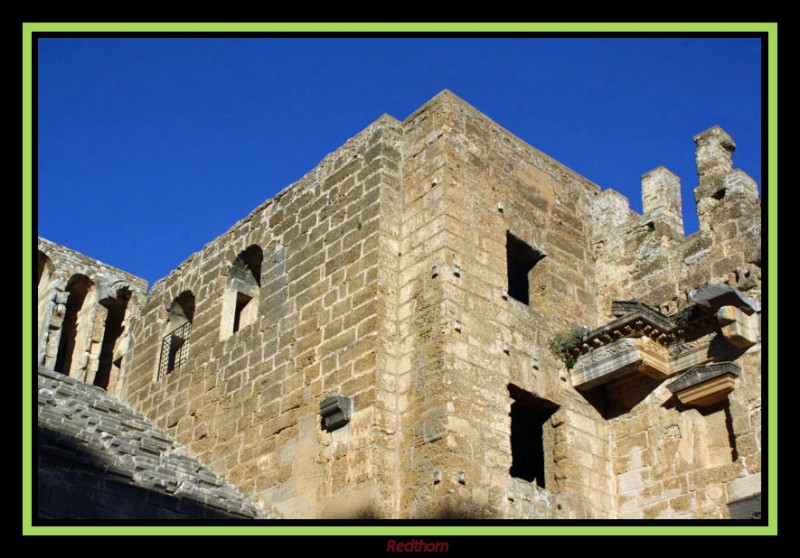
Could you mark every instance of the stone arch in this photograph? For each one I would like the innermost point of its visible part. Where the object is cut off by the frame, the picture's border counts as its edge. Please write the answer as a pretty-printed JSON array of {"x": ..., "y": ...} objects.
[
  {"x": 177, "y": 330},
  {"x": 242, "y": 291},
  {"x": 76, "y": 328}
]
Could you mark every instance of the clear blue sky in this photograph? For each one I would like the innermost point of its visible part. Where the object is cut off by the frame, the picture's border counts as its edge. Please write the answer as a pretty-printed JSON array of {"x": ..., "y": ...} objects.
[{"x": 150, "y": 148}]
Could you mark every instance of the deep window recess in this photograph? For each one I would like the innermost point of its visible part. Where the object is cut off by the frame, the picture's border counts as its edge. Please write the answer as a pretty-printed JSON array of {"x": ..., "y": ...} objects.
[
  {"x": 242, "y": 300},
  {"x": 175, "y": 344},
  {"x": 117, "y": 307},
  {"x": 75, "y": 321},
  {"x": 240, "y": 306},
  {"x": 175, "y": 349},
  {"x": 521, "y": 260},
  {"x": 529, "y": 414}
]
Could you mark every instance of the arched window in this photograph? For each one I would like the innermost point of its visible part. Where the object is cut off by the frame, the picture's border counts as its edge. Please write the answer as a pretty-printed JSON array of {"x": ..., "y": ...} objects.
[
  {"x": 240, "y": 306},
  {"x": 76, "y": 326},
  {"x": 110, "y": 358},
  {"x": 175, "y": 344}
]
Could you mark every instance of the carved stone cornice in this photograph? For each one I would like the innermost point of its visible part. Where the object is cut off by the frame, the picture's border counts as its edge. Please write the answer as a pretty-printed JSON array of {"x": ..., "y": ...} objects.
[
  {"x": 620, "y": 358},
  {"x": 643, "y": 340},
  {"x": 705, "y": 385}
]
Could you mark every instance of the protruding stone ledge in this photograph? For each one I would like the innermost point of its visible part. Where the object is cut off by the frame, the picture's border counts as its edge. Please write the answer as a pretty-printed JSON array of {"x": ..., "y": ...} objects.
[
  {"x": 619, "y": 358},
  {"x": 706, "y": 385},
  {"x": 737, "y": 327},
  {"x": 715, "y": 296}
]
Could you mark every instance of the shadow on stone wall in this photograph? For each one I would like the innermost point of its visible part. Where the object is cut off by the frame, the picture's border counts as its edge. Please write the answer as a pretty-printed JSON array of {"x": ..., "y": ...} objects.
[{"x": 456, "y": 512}]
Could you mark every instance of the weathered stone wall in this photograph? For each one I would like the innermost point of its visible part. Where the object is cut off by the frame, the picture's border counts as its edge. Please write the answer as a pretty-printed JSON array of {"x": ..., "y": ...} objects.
[
  {"x": 99, "y": 336},
  {"x": 98, "y": 459},
  {"x": 464, "y": 341},
  {"x": 247, "y": 402},
  {"x": 672, "y": 461}
]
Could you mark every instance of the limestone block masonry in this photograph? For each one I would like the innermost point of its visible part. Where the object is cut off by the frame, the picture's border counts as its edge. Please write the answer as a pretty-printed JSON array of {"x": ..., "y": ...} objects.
[
  {"x": 410, "y": 286},
  {"x": 99, "y": 459}
]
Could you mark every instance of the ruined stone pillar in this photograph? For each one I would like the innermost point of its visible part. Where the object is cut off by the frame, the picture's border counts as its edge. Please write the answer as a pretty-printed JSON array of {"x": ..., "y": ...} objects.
[
  {"x": 52, "y": 334},
  {"x": 661, "y": 200},
  {"x": 98, "y": 328},
  {"x": 714, "y": 160}
]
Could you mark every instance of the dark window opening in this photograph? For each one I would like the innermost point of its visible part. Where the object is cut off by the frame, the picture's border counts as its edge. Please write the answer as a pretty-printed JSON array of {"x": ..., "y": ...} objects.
[
  {"x": 175, "y": 349},
  {"x": 249, "y": 262},
  {"x": 241, "y": 303},
  {"x": 113, "y": 330},
  {"x": 242, "y": 287},
  {"x": 520, "y": 259},
  {"x": 719, "y": 194},
  {"x": 175, "y": 345},
  {"x": 77, "y": 289},
  {"x": 529, "y": 414}
]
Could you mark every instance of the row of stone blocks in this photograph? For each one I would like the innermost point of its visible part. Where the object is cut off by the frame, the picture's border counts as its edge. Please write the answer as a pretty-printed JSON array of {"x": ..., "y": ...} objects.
[{"x": 98, "y": 458}]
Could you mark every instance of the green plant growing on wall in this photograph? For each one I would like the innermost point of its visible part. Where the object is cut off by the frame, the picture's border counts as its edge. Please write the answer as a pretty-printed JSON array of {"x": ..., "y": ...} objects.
[{"x": 562, "y": 342}]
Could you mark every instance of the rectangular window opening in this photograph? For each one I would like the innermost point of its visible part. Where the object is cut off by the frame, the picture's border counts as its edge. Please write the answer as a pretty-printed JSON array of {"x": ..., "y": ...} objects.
[
  {"x": 520, "y": 259},
  {"x": 174, "y": 350},
  {"x": 242, "y": 300},
  {"x": 529, "y": 414}
]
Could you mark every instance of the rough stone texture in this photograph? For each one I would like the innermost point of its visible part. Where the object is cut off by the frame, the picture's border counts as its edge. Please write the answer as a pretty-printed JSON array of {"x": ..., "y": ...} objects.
[
  {"x": 685, "y": 457},
  {"x": 421, "y": 270},
  {"x": 103, "y": 321},
  {"x": 99, "y": 459}
]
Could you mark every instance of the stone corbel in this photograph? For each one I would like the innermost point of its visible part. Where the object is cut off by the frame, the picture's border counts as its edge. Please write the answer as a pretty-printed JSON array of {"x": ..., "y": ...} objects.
[
  {"x": 621, "y": 357},
  {"x": 706, "y": 385},
  {"x": 740, "y": 329}
]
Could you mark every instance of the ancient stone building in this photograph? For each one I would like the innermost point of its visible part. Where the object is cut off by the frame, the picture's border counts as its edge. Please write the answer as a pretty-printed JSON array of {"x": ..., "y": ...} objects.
[{"x": 441, "y": 321}]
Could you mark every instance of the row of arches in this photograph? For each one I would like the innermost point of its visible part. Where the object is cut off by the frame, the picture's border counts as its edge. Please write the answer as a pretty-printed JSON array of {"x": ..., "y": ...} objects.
[
  {"x": 81, "y": 328},
  {"x": 239, "y": 309}
]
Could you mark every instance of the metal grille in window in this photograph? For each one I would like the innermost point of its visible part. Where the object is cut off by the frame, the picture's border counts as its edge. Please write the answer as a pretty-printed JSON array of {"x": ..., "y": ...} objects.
[{"x": 174, "y": 349}]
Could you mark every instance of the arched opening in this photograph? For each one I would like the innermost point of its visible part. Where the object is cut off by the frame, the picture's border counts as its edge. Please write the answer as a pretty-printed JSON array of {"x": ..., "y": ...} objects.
[
  {"x": 110, "y": 360},
  {"x": 75, "y": 325},
  {"x": 240, "y": 307},
  {"x": 175, "y": 343}
]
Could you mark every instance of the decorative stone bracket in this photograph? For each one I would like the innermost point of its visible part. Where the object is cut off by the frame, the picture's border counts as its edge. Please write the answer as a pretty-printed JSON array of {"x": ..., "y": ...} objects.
[
  {"x": 737, "y": 327},
  {"x": 619, "y": 358},
  {"x": 706, "y": 385},
  {"x": 717, "y": 328},
  {"x": 336, "y": 411}
]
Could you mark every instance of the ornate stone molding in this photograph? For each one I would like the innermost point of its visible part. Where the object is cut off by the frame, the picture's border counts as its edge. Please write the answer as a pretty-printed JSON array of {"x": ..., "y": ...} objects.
[
  {"x": 721, "y": 324},
  {"x": 706, "y": 385},
  {"x": 619, "y": 358}
]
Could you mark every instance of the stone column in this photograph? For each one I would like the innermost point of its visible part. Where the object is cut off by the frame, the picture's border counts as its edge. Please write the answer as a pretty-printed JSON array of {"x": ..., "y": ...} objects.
[{"x": 52, "y": 334}]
